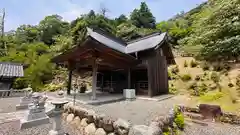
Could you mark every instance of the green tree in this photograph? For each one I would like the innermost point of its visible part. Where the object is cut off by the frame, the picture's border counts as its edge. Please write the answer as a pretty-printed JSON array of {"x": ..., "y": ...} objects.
[
  {"x": 27, "y": 34},
  {"x": 91, "y": 14},
  {"x": 127, "y": 31},
  {"x": 216, "y": 30},
  {"x": 52, "y": 26},
  {"x": 143, "y": 18},
  {"x": 121, "y": 19},
  {"x": 79, "y": 31}
]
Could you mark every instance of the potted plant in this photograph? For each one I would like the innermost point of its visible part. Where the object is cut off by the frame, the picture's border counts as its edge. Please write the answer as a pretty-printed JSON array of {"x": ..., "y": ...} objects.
[{"x": 83, "y": 87}]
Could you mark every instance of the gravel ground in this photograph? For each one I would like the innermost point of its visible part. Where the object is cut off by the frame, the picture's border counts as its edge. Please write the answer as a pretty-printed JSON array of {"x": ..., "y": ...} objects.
[
  {"x": 212, "y": 129},
  {"x": 8, "y": 104},
  {"x": 12, "y": 128},
  {"x": 138, "y": 111}
]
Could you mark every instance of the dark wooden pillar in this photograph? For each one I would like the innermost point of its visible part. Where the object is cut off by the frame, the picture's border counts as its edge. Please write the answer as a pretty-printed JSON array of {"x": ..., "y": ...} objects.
[
  {"x": 149, "y": 73},
  {"x": 71, "y": 68},
  {"x": 69, "y": 82},
  {"x": 94, "y": 78},
  {"x": 129, "y": 78}
]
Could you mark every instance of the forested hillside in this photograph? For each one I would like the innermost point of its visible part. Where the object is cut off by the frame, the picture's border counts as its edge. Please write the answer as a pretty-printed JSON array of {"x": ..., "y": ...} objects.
[{"x": 211, "y": 30}]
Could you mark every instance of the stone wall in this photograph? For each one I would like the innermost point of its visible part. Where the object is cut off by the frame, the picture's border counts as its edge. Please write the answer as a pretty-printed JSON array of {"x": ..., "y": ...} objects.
[{"x": 90, "y": 123}]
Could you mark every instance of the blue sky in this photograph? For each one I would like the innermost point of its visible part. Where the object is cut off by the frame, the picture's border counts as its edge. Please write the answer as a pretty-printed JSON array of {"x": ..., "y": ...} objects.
[{"x": 32, "y": 11}]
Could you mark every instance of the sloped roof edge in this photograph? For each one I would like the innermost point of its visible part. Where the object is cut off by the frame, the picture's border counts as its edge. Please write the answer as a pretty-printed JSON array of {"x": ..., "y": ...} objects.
[
  {"x": 144, "y": 43},
  {"x": 106, "y": 40}
]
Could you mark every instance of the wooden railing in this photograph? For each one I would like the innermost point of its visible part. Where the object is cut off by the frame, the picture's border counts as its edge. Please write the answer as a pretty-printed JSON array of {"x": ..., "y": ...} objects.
[{"x": 13, "y": 93}]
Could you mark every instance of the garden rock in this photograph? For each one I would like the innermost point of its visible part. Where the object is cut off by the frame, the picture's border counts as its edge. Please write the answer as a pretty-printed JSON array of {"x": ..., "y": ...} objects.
[
  {"x": 89, "y": 115},
  {"x": 138, "y": 130},
  {"x": 120, "y": 123},
  {"x": 64, "y": 116},
  {"x": 90, "y": 129},
  {"x": 98, "y": 120},
  {"x": 159, "y": 122},
  {"x": 154, "y": 129},
  {"x": 100, "y": 131},
  {"x": 210, "y": 111},
  {"x": 107, "y": 124},
  {"x": 81, "y": 112},
  {"x": 84, "y": 122},
  {"x": 70, "y": 117},
  {"x": 121, "y": 131},
  {"x": 76, "y": 121}
]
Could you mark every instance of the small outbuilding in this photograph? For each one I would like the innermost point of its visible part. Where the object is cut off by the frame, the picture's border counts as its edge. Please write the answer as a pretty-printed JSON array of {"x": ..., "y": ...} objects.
[{"x": 8, "y": 73}]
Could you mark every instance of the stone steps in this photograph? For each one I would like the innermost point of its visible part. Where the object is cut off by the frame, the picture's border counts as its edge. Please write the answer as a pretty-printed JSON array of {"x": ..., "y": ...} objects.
[
  {"x": 190, "y": 122},
  {"x": 193, "y": 115}
]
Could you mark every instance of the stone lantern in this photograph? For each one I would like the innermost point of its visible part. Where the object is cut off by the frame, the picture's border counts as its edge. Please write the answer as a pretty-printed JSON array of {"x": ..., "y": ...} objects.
[
  {"x": 36, "y": 113},
  {"x": 57, "y": 113},
  {"x": 27, "y": 99}
]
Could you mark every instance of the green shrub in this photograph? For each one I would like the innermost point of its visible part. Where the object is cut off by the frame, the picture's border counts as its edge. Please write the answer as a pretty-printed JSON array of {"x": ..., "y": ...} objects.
[
  {"x": 238, "y": 81},
  {"x": 226, "y": 66},
  {"x": 226, "y": 73},
  {"x": 197, "y": 88},
  {"x": 205, "y": 74},
  {"x": 202, "y": 88},
  {"x": 218, "y": 67},
  {"x": 175, "y": 69},
  {"x": 186, "y": 77},
  {"x": 193, "y": 63},
  {"x": 21, "y": 83},
  {"x": 215, "y": 77},
  {"x": 53, "y": 87},
  {"x": 212, "y": 96},
  {"x": 170, "y": 75},
  {"x": 179, "y": 120},
  {"x": 197, "y": 78},
  {"x": 205, "y": 66},
  {"x": 185, "y": 64},
  {"x": 192, "y": 86},
  {"x": 230, "y": 85},
  {"x": 172, "y": 89}
]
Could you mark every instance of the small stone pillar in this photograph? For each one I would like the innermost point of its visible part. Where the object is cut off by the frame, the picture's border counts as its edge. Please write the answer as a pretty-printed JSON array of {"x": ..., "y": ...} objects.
[
  {"x": 57, "y": 113},
  {"x": 36, "y": 114}
]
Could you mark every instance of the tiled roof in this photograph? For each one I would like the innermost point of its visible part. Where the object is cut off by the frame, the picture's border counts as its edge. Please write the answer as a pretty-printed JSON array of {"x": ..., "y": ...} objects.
[
  {"x": 141, "y": 44},
  {"x": 106, "y": 40},
  {"x": 11, "y": 70},
  {"x": 145, "y": 43}
]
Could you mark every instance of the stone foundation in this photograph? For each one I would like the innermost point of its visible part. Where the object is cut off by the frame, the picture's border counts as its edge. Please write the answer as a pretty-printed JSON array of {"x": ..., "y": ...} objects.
[{"x": 90, "y": 123}]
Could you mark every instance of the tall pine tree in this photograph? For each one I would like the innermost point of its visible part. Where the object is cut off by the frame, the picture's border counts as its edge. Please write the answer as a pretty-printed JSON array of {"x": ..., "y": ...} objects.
[{"x": 143, "y": 18}]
